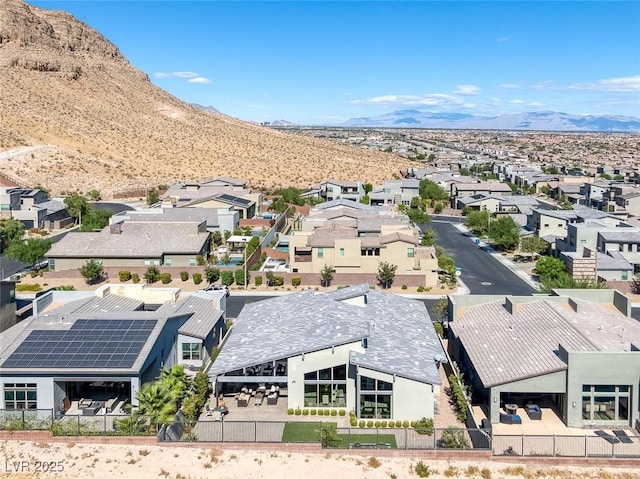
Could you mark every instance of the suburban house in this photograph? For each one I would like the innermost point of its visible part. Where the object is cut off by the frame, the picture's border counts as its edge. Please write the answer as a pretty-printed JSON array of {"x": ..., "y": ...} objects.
[
  {"x": 132, "y": 243},
  {"x": 598, "y": 193},
  {"x": 577, "y": 352},
  {"x": 107, "y": 343},
  {"x": 356, "y": 349},
  {"x": 625, "y": 241},
  {"x": 463, "y": 190},
  {"x": 33, "y": 208},
  {"x": 552, "y": 224},
  {"x": 357, "y": 239},
  {"x": 336, "y": 189},
  {"x": 217, "y": 219},
  {"x": 395, "y": 192},
  {"x": 499, "y": 204}
]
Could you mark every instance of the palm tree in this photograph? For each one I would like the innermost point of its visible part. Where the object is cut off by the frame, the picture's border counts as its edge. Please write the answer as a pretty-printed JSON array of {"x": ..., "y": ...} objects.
[
  {"x": 176, "y": 380},
  {"x": 157, "y": 402}
]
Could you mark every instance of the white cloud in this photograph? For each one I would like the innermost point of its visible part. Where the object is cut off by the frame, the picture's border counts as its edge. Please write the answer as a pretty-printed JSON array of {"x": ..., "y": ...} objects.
[
  {"x": 175, "y": 74},
  {"x": 509, "y": 85},
  {"x": 502, "y": 39},
  {"x": 495, "y": 101},
  {"x": 622, "y": 84},
  {"x": 466, "y": 90},
  {"x": 387, "y": 99},
  {"x": 536, "y": 104},
  {"x": 470, "y": 106},
  {"x": 200, "y": 80},
  {"x": 517, "y": 102}
]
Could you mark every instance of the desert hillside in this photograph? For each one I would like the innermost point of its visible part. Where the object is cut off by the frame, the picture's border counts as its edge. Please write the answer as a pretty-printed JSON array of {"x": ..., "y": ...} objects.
[{"x": 97, "y": 122}]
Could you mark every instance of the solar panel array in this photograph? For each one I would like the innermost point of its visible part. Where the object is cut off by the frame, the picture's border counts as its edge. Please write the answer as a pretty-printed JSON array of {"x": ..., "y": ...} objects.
[
  {"x": 87, "y": 344},
  {"x": 235, "y": 199}
]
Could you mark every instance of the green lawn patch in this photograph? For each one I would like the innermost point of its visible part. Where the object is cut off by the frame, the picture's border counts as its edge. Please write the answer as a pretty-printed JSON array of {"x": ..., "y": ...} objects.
[{"x": 302, "y": 432}]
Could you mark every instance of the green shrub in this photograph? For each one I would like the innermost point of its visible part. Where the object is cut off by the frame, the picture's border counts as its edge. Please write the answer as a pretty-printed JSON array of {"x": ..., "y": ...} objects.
[
  {"x": 439, "y": 328},
  {"x": 197, "y": 278},
  {"x": 422, "y": 470},
  {"x": 165, "y": 278},
  {"x": 369, "y": 423},
  {"x": 226, "y": 278},
  {"x": 376, "y": 424},
  {"x": 334, "y": 412},
  {"x": 404, "y": 286},
  {"x": 135, "y": 277},
  {"x": 361, "y": 423},
  {"x": 290, "y": 411},
  {"x": 420, "y": 289},
  {"x": 31, "y": 288},
  {"x": 405, "y": 424},
  {"x": 257, "y": 280},
  {"x": 314, "y": 412},
  {"x": 424, "y": 426},
  {"x": 305, "y": 412},
  {"x": 342, "y": 412},
  {"x": 398, "y": 423},
  {"x": 458, "y": 397},
  {"x": 124, "y": 276},
  {"x": 184, "y": 276},
  {"x": 298, "y": 412},
  {"x": 152, "y": 274},
  {"x": 383, "y": 423},
  {"x": 296, "y": 281},
  {"x": 353, "y": 421},
  {"x": 278, "y": 281},
  {"x": 327, "y": 412}
]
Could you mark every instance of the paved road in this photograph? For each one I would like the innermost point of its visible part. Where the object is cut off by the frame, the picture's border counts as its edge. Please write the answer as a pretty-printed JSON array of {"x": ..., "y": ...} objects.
[
  {"x": 236, "y": 303},
  {"x": 113, "y": 207},
  {"x": 10, "y": 266},
  {"x": 482, "y": 273}
]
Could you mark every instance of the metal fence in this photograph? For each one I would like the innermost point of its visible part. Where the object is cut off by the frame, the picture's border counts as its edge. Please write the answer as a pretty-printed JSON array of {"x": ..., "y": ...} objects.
[
  {"x": 565, "y": 446},
  {"x": 26, "y": 419}
]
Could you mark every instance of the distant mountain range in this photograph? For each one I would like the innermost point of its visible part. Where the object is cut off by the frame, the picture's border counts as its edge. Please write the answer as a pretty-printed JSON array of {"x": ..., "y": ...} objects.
[
  {"x": 543, "y": 120},
  {"x": 210, "y": 109}
]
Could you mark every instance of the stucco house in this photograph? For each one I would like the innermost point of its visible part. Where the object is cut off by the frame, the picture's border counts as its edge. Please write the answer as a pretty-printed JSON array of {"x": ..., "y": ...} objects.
[{"x": 356, "y": 349}]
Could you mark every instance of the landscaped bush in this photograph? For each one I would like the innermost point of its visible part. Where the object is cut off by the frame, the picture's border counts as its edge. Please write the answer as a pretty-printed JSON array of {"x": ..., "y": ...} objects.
[
  {"x": 420, "y": 289},
  {"x": 290, "y": 411},
  {"x": 124, "y": 276},
  {"x": 353, "y": 421},
  {"x": 404, "y": 286},
  {"x": 278, "y": 281},
  {"x": 327, "y": 412},
  {"x": 226, "y": 278},
  {"x": 334, "y": 412},
  {"x": 361, "y": 423},
  {"x": 197, "y": 278},
  {"x": 184, "y": 276},
  {"x": 31, "y": 288},
  {"x": 424, "y": 426},
  {"x": 258, "y": 280},
  {"x": 296, "y": 281},
  {"x": 305, "y": 412},
  {"x": 398, "y": 423},
  {"x": 165, "y": 278},
  {"x": 376, "y": 424},
  {"x": 383, "y": 423},
  {"x": 298, "y": 412},
  {"x": 135, "y": 277},
  {"x": 369, "y": 423},
  {"x": 458, "y": 397},
  {"x": 314, "y": 412},
  {"x": 405, "y": 424},
  {"x": 342, "y": 412}
]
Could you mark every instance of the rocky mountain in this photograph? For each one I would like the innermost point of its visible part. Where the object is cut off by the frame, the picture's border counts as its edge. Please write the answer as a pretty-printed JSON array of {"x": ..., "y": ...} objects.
[
  {"x": 210, "y": 109},
  {"x": 282, "y": 123},
  {"x": 92, "y": 120},
  {"x": 544, "y": 121}
]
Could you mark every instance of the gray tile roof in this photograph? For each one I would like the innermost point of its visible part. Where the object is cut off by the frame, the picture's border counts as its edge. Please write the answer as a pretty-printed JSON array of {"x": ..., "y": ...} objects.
[
  {"x": 506, "y": 347},
  {"x": 137, "y": 240},
  {"x": 354, "y": 205},
  {"x": 109, "y": 303},
  {"x": 613, "y": 261},
  {"x": 209, "y": 215},
  {"x": 620, "y": 236},
  {"x": 52, "y": 206},
  {"x": 204, "y": 315},
  {"x": 401, "y": 338},
  {"x": 574, "y": 214}
]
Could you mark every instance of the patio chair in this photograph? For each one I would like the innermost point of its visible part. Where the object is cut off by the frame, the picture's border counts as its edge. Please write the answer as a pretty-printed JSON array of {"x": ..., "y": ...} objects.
[
  {"x": 623, "y": 436},
  {"x": 607, "y": 437},
  {"x": 207, "y": 410}
]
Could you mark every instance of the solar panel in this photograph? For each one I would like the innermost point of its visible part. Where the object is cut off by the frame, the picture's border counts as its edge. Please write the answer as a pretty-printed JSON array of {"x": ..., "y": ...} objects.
[{"x": 101, "y": 343}]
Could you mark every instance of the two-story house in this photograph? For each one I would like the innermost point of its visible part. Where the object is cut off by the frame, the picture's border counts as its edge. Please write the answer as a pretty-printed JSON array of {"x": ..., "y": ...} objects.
[{"x": 336, "y": 189}]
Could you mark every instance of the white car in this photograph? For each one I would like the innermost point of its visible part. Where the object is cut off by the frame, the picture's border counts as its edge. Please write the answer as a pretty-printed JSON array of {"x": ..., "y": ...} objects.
[{"x": 216, "y": 287}]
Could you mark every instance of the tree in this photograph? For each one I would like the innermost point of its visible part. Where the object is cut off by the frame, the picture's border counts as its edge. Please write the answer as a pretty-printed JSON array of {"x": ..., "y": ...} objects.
[
  {"x": 95, "y": 220},
  {"x": 432, "y": 191},
  {"x": 365, "y": 200},
  {"x": 31, "y": 251},
  {"x": 326, "y": 275},
  {"x": 152, "y": 196},
  {"x": 216, "y": 238},
  {"x": 92, "y": 271},
  {"x": 12, "y": 229},
  {"x": 453, "y": 438},
  {"x": 429, "y": 237},
  {"x": 505, "y": 233},
  {"x": 386, "y": 274},
  {"x": 176, "y": 380},
  {"x": 240, "y": 278},
  {"x": 368, "y": 188},
  {"x": 441, "y": 310},
  {"x": 152, "y": 275},
  {"x": 533, "y": 245},
  {"x": 477, "y": 222},
  {"x": 76, "y": 206},
  {"x": 212, "y": 274},
  {"x": 94, "y": 194},
  {"x": 156, "y": 402},
  {"x": 549, "y": 267},
  {"x": 226, "y": 278}
]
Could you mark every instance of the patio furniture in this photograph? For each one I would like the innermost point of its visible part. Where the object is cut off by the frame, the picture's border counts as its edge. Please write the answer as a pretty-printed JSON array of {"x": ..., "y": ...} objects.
[
  {"x": 207, "y": 410},
  {"x": 92, "y": 409},
  {"x": 607, "y": 437},
  {"x": 534, "y": 412},
  {"x": 623, "y": 436},
  {"x": 510, "y": 419},
  {"x": 109, "y": 405},
  {"x": 243, "y": 400},
  {"x": 83, "y": 403}
]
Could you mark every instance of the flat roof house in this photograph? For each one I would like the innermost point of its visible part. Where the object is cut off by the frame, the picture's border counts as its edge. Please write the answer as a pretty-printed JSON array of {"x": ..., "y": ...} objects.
[
  {"x": 578, "y": 351},
  {"x": 105, "y": 345},
  {"x": 372, "y": 352}
]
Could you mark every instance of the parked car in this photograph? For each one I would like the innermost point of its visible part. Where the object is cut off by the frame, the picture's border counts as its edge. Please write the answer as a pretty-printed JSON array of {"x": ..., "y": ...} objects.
[{"x": 216, "y": 287}]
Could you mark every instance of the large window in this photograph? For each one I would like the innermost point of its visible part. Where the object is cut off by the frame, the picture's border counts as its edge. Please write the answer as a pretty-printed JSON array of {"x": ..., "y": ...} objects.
[
  {"x": 320, "y": 252},
  {"x": 191, "y": 351},
  {"x": 20, "y": 396},
  {"x": 375, "y": 398},
  {"x": 605, "y": 402},
  {"x": 326, "y": 387}
]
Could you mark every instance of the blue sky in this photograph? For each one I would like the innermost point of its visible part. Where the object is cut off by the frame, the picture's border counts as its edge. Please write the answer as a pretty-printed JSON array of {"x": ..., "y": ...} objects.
[{"x": 316, "y": 62}]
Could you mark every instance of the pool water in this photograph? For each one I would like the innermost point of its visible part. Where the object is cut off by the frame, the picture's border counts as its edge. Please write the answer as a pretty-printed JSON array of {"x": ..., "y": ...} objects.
[{"x": 283, "y": 248}]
